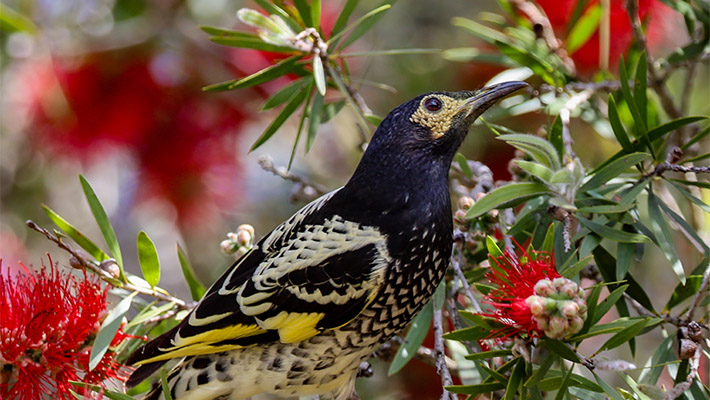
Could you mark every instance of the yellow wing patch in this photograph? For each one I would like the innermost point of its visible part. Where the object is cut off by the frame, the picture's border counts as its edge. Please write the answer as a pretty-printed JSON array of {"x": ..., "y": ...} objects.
[
  {"x": 294, "y": 327},
  {"x": 202, "y": 343}
]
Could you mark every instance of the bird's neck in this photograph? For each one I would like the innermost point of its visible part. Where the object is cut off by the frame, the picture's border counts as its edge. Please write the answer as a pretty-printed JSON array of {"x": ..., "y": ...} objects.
[{"x": 395, "y": 179}]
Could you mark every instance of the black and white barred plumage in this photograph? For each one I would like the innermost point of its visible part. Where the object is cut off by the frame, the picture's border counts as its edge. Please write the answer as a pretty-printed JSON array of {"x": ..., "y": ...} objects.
[{"x": 314, "y": 298}]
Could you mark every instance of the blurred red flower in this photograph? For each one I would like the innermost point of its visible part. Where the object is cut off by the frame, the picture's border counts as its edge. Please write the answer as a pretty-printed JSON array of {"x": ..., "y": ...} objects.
[
  {"x": 49, "y": 320},
  {"x": 586, "y": 58},
  {"x": 515, "y": 281},
  {"x": 150, "y": 106}
]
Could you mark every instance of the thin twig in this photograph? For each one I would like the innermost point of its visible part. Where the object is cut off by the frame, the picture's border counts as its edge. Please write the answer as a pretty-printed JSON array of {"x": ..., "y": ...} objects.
[
  {"x": 440, "y": 354},
  {"x": 310, "y": 190},
  {"x": 665, "y": 166},
  {"x": 459, "y": 273},
  {"x": 105, "y": 275},
  {"x": 700, "y": 295},
  {"x": 694, "y": 364},
  {"x": 543, "y": 29},
  {"x": 571, "y": 104}
]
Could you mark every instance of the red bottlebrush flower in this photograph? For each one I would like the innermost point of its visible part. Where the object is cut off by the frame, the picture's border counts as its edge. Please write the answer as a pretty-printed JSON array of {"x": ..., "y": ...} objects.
[
  {"x": 515, "y": 281},
  {"x": 49, "y": 320}
]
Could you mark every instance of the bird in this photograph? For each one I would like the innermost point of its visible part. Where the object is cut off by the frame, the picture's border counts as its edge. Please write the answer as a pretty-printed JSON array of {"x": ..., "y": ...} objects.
[{"x": 315, "y": 297}]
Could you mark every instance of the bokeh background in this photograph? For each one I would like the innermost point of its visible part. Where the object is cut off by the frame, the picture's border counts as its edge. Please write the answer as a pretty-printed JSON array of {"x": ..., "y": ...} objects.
[{"x": 111, "y": 89}]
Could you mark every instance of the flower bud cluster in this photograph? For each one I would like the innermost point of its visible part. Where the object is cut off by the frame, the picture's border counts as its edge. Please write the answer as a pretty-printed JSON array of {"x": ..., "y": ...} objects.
[
  {"x": 558, "y": 307},
  {"x": 239, "y": 242}
]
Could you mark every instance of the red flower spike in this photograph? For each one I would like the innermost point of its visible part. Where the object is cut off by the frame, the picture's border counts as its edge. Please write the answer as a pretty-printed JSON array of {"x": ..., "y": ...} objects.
[
  {"x": 49, "y": 321},
  {"x": 515, "y": 279}
]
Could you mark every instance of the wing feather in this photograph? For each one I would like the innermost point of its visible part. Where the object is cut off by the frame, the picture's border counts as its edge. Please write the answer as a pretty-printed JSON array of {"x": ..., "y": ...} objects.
[{"x": 314, "y": 272}]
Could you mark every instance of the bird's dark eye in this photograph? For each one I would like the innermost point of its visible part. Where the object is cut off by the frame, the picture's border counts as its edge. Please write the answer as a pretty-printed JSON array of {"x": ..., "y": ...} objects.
[{"x": 433, "y": 104}]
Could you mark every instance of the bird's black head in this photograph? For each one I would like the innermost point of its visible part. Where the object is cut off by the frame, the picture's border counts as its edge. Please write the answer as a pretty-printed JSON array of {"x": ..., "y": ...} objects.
[{"x": 420, "y": 137}]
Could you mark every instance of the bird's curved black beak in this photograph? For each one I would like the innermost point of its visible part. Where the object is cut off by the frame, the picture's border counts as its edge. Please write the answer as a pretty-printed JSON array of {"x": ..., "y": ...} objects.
[{"x": 486, "y": 97}]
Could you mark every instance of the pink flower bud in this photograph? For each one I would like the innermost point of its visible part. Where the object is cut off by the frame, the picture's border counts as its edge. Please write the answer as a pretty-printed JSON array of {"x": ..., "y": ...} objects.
[
  {"x": 570, "y": 289},
  {"x": 558, "y": 326},
  {"x": 244, "y": 238},
  {"x": 575, "y": 325},
  {"x": 465, "y": 202},
  {"x": 536, "y": 304},
  {"x": 543, "y": 322},
  {"x": 559, "y": 283},
  {"x": 460, "y": 217},
  {"x": 568, "y": 308},
  {"x": 544, "y": 287}
]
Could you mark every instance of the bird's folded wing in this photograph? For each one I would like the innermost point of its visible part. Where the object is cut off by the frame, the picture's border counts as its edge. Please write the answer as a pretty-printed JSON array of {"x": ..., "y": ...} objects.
[{"x": 312, "y": 273}]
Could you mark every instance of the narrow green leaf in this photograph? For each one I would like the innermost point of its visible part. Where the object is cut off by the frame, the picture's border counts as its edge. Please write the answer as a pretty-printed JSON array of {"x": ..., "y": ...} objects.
[
  {"x": 267, "y": 74},
  {"x": 148, "y": 259},
  {"x": 315, "y": 12},
  {"x": 148, "y": 313},
  {"x": 516, "y": 378},
  {"x": 654, "y": 367},
  {"x": 613, "y": 393},
  {"x": 640, "y": 88},
  {"x": 653, "y": 135},
  {"x": 474, "y": 390},
  {"x": 607, "y": 208},
  {"x": 689, "y": 231},
  {"x": 304, "y": 11},
  {"x": 301, "y": 122},
  {"x": 690, "y": 197},
  {"x": 218, "y": 31},
  {"x": 612, "y": 170},
  {"x": 343, "y": 18},
  {"x": 591, "y": 300},
  {"x": 110, "y": 394},
  {"x": 624, "y": 255},
  {"x": 330, "y": 110},
  {"x": 480, "y": 31},
  {"x": 197, "y": 289},
  {"x": 289, "y": 109},
  {"x": 617, "y": 127},
  {"x": 255, "y": 43},
  {"x": 439, "y": 296},
  {"x": 541, "y": 372},
  {"x": 164, "y": 384},
  {"x": 538, "y": 64},
  {"x": 283, "y": 95},
  {"x": 696, "y": 138},
  {"x": 659, "y": 131},
  {"x": 691, "y": 286},
  {"x": 463, "y": 163},
  {"x": 493, "y": 249},
  {"x": 11, "y": 20},
  {"x": 555, "y": 137},
  {"x": 108, "y": 330},
  {"x": 535, "y": 169},
  {"x": 624, "y": 336},
  {"x": 359, "y": 26},
  {"x": 314, "y": 119},
  {"x": 639, "y": 123},
  {"x": 548, "y": 243},
  {"x": 505, "y": 194},
  {"x": 80, "y": 239},
  {"x": 542, "y": 150},
  {"x": 488, "y": 354},
  {"x": 565, "y": 384},
  {"x": 662, "y": 230},
  {"x": 414, "y": 338},
  {"x": 604, "y": 307},
  {"x": 573, "y": 271},
  {"x": 561, "y": 349},
  {"x": 612, "y": 233},
  {"x": 584, "y": 28},
  {"x": 468, "y": 334},
  {"x": 104, "y": 224},
  {"x": 319, "y": 75}
]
